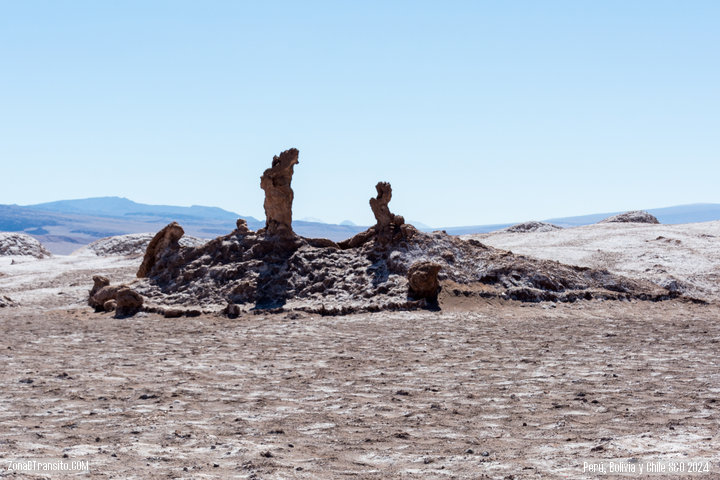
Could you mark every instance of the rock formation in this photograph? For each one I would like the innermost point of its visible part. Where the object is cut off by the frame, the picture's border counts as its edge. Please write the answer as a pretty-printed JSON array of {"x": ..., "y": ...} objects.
[
  {"x": 21, "y": 244},
  {"x": 128, "y": 302},
  {"x": 386, "y": 220},
  {"x": 389, "y": 266},
  {"x": 423, "y": 281},
  {"x": 531, "y": 226},
  {"x": 636, "y": 216},
  {"x": 120, "y": 298},
  {"x": 166, "y": 239},
  {"x": 388, "y": 228},
  {"x": 101, "y": 293},
  {"x": 278, "y": 194},
  {"x": 242, "y": 226},
  {"x": 6, "y": 302}
]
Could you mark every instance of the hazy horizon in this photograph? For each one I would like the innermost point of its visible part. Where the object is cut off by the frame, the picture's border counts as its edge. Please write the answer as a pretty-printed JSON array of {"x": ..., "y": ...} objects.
[{"x": 418, "y": 222}]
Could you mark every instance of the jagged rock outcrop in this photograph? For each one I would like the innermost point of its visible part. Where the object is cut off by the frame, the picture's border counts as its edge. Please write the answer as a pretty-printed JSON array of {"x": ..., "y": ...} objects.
[
  {"x": 388, "y": 228},
  {"x": 389, "y": 266},
  {"x": 275, "y": 181},
  {"x": 249, "y": 271},
  {"x": 166, "y": 239},
  {"x": 423, "y": 281},
  {"x": 21, "y": 244},
  {"x": 120, "y": 298},
  {"x": 531, "y": 226},
  {"x": 242, "y": 226},
  {"x": 386, "y": 220},
  {"x": 636, "y": 216}
]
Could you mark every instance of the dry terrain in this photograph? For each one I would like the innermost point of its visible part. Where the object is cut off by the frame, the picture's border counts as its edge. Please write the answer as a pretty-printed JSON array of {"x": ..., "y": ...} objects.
[
  {"x": 688, "y": 254},
  {"x": 480, "y": 389}
]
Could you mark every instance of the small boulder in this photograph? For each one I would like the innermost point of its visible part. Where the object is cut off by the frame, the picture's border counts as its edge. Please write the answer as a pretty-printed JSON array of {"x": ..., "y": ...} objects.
[
  {"x": 233, "y": 310},
  {"x": 242, "y": 226},
  {"x": 102, "y": 293},
  {"x": 98, "y": 282},
  {"x": 423, "y": 281},
  {"x": 119, "y": 298},
  {"x": 128, "y": 302}
]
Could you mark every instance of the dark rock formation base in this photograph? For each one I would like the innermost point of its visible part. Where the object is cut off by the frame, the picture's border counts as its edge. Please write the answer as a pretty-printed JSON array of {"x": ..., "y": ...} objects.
[{"x": 246, "y": 270}]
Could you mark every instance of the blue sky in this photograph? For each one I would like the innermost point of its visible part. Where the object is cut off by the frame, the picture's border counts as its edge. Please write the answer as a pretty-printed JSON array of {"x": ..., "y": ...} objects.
[{"x": 477, "y": 112}]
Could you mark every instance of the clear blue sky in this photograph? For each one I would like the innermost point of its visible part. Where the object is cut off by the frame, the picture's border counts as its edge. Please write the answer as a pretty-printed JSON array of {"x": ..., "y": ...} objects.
[{"x": 477, "y": 112}]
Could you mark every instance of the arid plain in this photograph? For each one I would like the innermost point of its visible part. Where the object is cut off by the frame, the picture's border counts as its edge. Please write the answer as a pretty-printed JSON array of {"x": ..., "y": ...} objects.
[{"x": 481, "y": 388}]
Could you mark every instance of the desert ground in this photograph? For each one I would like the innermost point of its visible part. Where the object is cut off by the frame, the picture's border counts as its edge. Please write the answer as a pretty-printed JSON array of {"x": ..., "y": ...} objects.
[
  {"x": 687, "y": 254},
  {"x": 482, "y": 388}
]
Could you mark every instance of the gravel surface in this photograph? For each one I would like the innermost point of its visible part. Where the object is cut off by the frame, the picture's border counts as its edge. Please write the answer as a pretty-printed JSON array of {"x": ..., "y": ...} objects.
[{"x": 501, "y": 389}]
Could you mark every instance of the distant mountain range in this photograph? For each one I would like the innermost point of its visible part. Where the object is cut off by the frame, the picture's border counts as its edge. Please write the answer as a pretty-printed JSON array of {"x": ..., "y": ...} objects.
[{"x": 66, "y": 225}]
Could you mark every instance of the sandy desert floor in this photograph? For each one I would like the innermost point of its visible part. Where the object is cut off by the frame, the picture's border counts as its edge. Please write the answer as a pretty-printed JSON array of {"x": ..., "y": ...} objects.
[{"x": 480, "y": 389}]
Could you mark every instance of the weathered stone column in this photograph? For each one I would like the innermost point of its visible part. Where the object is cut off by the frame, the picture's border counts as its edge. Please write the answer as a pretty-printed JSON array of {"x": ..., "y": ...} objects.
[
  {"x": 278, "y": 194},
  {"x": 385, "y": 218}
]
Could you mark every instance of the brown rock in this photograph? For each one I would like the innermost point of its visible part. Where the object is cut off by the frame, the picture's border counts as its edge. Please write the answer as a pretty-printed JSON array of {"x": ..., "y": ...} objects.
[
  {"x": 98, "y": 282},
  {"x": 173, "y": 312},
  {"x": 129, "y": 302},
  {"x": 278, "y": 194},
  {"x": 121, "y": 298},
  {"x": 232, "y": 310},
  {"x": 167, "y": 238},
  {"x": 101, "y": 297},
  {"x": 242, "y": 226},
  {"x": 358, "y": 239},
  {"x": 386, "y": 267},
  {"x": 321, "y": 243},
  {"x": 423, "y": 280},
  {"x": 379, "y": 205},
  {"x": 389, "y": 227}
]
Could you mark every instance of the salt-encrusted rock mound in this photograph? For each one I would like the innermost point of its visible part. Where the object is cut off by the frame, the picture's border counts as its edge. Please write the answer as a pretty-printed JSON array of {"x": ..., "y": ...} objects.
[
  {"x": 251, "y": 271},
  {"x": 131, "y": 244},
  {"x": 390, "y": 266},
  {"x": 21, "y": 244},
  {"x": 636, "y": 216},
  {"x": 531, "y": 226}
]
